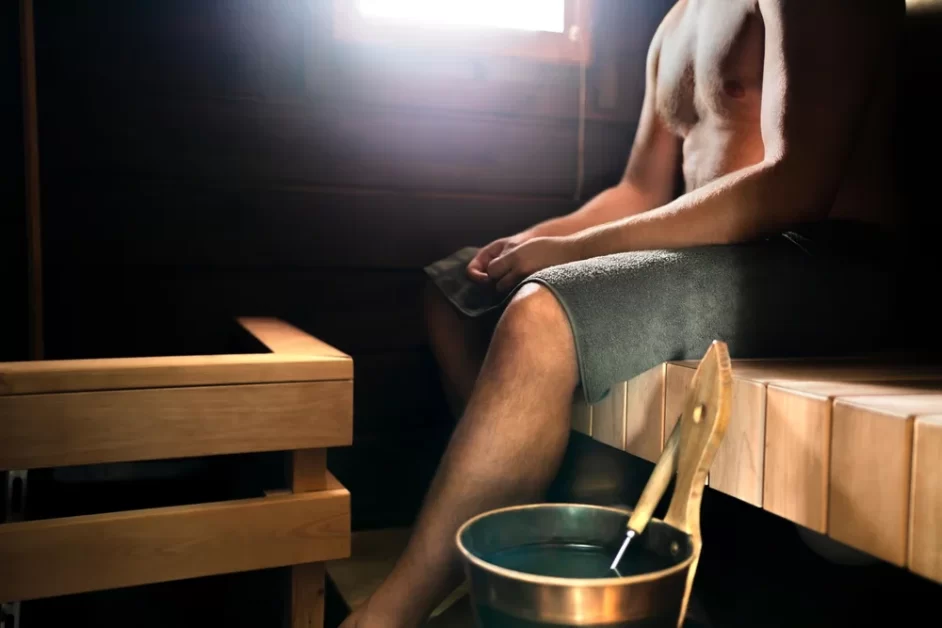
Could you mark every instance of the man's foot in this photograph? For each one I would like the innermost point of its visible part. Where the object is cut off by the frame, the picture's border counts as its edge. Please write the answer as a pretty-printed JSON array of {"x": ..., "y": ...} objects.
[
  {"x": 353, "y": 619},
  {"x": 369, "y": 615}
]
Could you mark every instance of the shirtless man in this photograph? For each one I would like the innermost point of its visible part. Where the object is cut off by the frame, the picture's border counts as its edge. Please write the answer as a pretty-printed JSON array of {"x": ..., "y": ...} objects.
[{"x": 780, "y": 113}]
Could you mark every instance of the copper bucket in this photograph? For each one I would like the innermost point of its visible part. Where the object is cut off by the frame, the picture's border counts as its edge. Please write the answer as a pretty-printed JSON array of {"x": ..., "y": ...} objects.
[{"x": 661, "y": 562}]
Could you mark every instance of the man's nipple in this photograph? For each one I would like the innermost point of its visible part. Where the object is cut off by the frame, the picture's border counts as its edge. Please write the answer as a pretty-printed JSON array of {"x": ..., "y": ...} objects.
[{"x": 733, "y": 88}]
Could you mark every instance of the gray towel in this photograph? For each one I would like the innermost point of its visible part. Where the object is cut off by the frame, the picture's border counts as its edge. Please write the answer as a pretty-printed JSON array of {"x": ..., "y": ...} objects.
[{"x": 824, "y": 289}]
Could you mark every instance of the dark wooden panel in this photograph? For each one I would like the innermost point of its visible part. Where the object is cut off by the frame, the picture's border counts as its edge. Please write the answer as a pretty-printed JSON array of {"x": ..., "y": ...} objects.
[
  {"x": 239, "y": 48},
  {"x": 324, "y": 143},
  {"x": 14, "y": 322},
  {"x": 387, "y": 481},
  {"x": 228, "y": 158},
  {"x": 919, "y": 164},
  {"x": 124, "y": 311},
  {"x": 285, "y": 51},
  {"x": 397, "y": 393},
  {"x": 376, "y": 317},
  {"x": 98, "y": 220},
  {"x": 245, "y": 600}
]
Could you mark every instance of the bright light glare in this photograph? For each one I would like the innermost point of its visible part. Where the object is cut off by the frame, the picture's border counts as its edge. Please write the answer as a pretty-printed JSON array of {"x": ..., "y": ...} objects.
[{"x": 528, "y": 15}]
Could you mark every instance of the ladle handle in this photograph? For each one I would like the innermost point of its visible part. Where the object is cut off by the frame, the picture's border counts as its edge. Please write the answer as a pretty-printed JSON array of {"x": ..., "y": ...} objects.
[{"x": 657, "y": 483}]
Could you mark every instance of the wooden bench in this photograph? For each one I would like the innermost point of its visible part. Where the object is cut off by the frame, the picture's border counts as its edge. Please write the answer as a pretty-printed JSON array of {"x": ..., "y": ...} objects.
[
  {"x": 851, "y": 449},
  {"x": 298, "y": 398}
]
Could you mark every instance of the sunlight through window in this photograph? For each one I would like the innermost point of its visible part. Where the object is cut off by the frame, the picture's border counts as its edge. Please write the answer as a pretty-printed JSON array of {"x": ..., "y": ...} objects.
[{"x": 528, "y": 15}]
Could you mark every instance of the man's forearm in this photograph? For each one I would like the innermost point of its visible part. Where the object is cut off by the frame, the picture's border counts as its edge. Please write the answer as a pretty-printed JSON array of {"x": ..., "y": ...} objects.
[
  {"x": 617, "y": 202},
  {"x": 739, "y": 207}
]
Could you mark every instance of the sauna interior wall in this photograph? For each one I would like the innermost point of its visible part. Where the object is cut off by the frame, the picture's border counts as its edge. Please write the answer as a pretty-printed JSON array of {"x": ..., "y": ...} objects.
[{"x": 205, "y": 160}]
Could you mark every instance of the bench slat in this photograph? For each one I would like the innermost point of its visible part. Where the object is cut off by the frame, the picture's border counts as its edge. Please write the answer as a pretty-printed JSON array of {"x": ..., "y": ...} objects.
[
  {"x": 280, "y": 337},
  {"x": 582, "y": 416},
  {"x": 799, "y": 443},
  {"x": 50, "y": 376},
  {"x": 925, "y": 519},
  {"x": 644, "y": 414},
  {"x": 95, "y": 552},
  {"x": 871, "y": 465},
  {"x": 608, "y": 418},
  {"x": 147, "y": 424},
  {"x": 797, "y": 458},
  {"x": 739, "y": 467}
]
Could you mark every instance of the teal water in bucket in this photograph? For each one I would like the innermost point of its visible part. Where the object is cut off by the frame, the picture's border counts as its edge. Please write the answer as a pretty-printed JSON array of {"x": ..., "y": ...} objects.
[{"x": 578, "y": 560}]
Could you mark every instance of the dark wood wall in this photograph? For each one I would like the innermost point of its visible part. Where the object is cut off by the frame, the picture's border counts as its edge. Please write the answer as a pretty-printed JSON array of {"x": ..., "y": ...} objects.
[
  {"x": 14, "y": 335},
  {"x": 202, "y": 160},
  {"x": 919, "y": 136}
]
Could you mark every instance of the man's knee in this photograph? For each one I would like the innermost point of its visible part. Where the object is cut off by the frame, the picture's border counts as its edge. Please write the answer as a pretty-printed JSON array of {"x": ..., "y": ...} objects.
[{"x": 536, "y": 322}]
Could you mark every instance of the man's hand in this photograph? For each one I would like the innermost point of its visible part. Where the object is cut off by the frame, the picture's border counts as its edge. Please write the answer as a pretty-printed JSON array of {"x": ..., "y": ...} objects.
[
  {"x": 477, "y": 268},
  {"x": 519, "y": 262}
]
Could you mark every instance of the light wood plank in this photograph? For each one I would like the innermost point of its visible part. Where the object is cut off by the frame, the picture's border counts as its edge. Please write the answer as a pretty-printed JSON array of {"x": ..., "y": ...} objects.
[
  {"x": 608, "y": 418},
  {"x": 831, "y": 390},
  {"x": 925, "y": 511},
  {"x": 307, "y": 596},
  {"x": 281, "y": 337},
  {"x": 798, "y": 445},
  {"x": 644, "y": 414},
  {"x": 677, "y": 380},
  {"x": 90, "y": 553},
  {"x": 831, "y": 370},
  {"x": 582, "y": 416},
  {"x": 114, "y": 426},
  {"x": 48, "y": 376},
  {"x": 871, "y": 464},
  {"x": 739, "y": 467},
  {"x": 308, "y": 470},
  {"x": 797, "y": 458}
]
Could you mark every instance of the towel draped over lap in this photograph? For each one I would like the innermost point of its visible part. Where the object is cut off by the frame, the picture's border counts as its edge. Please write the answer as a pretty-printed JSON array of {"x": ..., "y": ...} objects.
[{"x": 824, "y": 289}]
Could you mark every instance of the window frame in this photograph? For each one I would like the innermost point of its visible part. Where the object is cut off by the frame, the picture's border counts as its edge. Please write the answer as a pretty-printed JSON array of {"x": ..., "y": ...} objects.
[{"x": 572, "y": 46}]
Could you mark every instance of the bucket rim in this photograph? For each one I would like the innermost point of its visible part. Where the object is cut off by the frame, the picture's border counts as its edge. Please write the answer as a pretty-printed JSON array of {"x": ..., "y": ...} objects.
[{"x": 556, "y": 580}]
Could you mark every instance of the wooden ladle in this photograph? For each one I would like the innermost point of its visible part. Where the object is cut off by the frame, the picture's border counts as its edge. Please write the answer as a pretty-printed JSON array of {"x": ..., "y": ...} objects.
[{"x": 689, "y": 452}]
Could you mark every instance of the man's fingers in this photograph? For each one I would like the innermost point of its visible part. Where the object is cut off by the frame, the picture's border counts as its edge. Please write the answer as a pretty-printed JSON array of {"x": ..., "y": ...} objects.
[
  {"x": 477, "y": 267},
  {"x": 477, "y": 275},
  {"x": 500, "y": 266}
]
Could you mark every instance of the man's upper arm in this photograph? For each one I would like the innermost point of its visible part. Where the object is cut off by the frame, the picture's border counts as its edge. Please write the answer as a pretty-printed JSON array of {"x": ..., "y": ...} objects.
[
  {"x": 652, "y": 164},
  {"x": 820, "y": 60}
]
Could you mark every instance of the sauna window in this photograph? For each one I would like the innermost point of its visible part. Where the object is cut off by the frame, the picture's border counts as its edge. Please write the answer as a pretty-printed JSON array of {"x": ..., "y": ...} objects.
[{"x": 548, "y": 30}]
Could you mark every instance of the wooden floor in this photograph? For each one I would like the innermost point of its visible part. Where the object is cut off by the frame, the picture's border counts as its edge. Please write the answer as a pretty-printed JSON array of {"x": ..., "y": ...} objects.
[{"x": 374, "y": 552}]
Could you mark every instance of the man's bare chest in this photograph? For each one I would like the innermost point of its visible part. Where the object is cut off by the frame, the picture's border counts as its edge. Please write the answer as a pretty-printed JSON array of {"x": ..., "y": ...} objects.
[{"x": 710, "y": 63}]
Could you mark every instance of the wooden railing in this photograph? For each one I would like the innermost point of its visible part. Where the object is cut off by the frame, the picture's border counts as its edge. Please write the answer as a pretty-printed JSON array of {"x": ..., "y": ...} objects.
[{"x": 298, "y": 398}]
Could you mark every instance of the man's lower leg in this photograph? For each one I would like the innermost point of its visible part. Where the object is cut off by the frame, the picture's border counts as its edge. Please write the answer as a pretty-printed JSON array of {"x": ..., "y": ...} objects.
[{"x": 506, "y": 449}]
